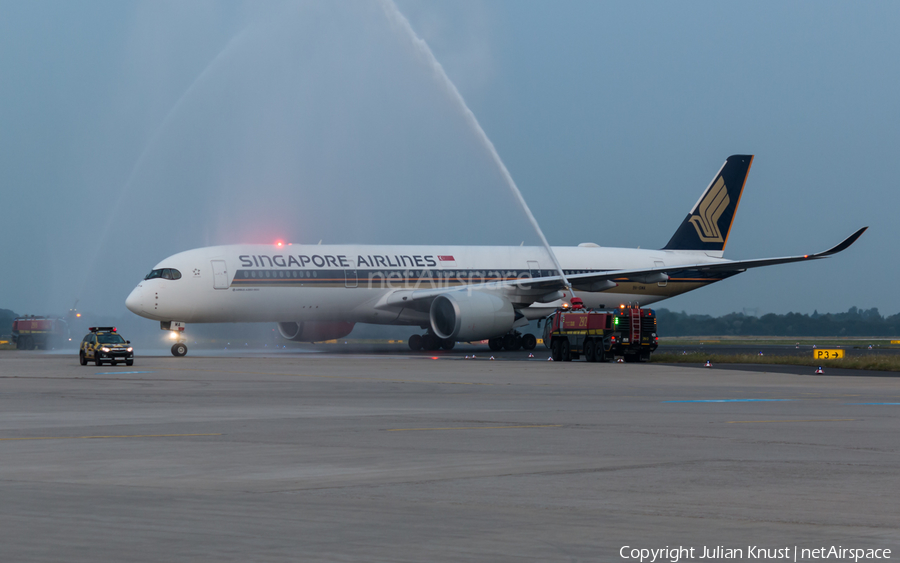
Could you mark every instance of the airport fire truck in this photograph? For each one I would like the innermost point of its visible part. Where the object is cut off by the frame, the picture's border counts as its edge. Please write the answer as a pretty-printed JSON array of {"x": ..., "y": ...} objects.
[
  {"x": 42, "y": 333},
  {"x": 600, "y": 336}
]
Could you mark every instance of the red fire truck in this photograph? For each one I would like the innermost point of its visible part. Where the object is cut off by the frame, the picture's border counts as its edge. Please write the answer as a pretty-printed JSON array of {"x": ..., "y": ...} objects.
[
  {"x": 600, "y": 336},
  {"x": 42, "y": 333}
]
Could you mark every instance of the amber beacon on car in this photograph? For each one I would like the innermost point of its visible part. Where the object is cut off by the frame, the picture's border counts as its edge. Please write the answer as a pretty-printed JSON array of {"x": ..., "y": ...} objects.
[{"x": 454, "y": 293}]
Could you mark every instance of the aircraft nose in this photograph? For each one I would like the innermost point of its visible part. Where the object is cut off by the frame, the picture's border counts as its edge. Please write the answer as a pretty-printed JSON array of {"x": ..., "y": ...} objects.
[{"x": 134, "y": 302}]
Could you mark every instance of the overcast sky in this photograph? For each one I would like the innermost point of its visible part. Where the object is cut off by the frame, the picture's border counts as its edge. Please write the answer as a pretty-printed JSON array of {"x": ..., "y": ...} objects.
[{"x": 130, "y": 131}]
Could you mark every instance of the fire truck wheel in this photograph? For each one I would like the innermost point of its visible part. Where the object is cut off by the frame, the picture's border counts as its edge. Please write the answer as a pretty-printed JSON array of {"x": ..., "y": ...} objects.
[
  {"x": 81, "y": 359},
  {"x": 179, "y": 349},
  {"x": 645, "y": 356},
  {"x": 448, "y": 343},
  {"x": 631, "y": 358},
  {"x": 529, "y": 341},
  {"x": 564, "y": 350},
  {"x": 495, "y": 344},
  {"x": 590, "y": 350},
  {"x": 415, "y": 342},
  {"x": 555, "y": 351}
]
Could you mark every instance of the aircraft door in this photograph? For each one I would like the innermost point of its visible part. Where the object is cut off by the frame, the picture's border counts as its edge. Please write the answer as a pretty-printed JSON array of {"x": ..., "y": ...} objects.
[
  {"x": 220, "y": 274},
  {"x": 350, "y": 278}
]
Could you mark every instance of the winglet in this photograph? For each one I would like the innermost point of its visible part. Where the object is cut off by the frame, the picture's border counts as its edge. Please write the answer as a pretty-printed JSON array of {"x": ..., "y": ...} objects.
[{"x": 845, "y": 244}]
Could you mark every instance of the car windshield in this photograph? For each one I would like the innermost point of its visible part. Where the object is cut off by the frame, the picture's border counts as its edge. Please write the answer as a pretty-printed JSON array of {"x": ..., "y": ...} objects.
[{"x": 110, "y": 339}]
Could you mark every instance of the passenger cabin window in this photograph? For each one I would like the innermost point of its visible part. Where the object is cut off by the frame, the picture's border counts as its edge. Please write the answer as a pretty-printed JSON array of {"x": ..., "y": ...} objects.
[{"x": 164, "y": 273}]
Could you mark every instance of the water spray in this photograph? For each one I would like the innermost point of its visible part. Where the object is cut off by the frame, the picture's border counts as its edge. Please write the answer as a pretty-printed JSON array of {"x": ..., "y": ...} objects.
[{"x": 399, "y": 20}]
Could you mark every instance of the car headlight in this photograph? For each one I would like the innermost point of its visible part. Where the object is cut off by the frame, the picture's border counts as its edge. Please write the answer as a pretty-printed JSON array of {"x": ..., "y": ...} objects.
[
  {"x": 104, "y": 349},
  {"x": 129, "y": 349}
]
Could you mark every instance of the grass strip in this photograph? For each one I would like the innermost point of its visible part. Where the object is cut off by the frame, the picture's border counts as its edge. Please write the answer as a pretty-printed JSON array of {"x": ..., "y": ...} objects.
[{"x": 875, "y": 363}]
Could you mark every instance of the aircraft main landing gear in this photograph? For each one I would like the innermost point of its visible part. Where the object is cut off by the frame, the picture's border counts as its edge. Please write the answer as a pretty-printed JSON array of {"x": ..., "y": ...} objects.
[
  {"x": 513, "y": 341},
  {"x": 430, "y": 342}
]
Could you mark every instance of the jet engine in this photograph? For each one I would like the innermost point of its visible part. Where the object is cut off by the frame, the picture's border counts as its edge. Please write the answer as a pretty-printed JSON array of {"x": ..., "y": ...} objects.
[
  {"x": 471, "y": 316},
  {"x": 314, "y": 331}
]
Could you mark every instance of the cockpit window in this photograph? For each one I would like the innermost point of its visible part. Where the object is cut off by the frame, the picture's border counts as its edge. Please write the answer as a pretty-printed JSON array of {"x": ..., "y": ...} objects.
[{"x": 164, "y": 273}]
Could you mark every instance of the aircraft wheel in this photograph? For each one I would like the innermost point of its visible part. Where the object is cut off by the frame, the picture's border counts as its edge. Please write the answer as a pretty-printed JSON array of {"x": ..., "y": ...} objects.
[
  {"x": 590, "y": 350},
  {"x": 415, "y": 342},
  {"x": 81, "y": 359},
  {"x": 430, "y": 342},
  {"x": 529, "y": 341},
  {"x": 179, "y": 349},
  {"x": 495, "y": 344},
  {"x": 564, "y": 350},
  {"x": 555, "y": 351},
  {"x": 448, "y": 343}
]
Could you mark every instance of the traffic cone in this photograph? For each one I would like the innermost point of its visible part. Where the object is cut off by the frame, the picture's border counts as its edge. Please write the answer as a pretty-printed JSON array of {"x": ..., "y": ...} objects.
[
  {"x": 492, "y": 357},
  {"x": 620, "y": 361},
  {"x": 550, "y": 359},
  {"x": 530, "y": 355},
  {"x": 708, "y": 364},
  {"x": 820, "y": 371}
]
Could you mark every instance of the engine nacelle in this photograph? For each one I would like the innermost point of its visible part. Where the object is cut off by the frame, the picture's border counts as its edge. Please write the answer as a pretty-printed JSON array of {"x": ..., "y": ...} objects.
[
  {"x": 314, "y": 331},
  {"x": 471, "y": 316}
]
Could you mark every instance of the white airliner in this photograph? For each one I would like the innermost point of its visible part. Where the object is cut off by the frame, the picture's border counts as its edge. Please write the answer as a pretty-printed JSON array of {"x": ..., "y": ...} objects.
[{"x": 455, "y": 293}]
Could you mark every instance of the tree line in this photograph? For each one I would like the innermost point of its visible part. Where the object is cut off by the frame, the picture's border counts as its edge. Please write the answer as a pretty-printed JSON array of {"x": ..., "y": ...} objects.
[{"x": 855, "y": 322}]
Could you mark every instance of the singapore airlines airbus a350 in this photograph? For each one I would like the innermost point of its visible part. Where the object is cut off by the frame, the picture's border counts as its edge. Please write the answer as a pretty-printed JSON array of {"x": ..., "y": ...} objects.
[{"x": 455, "y": 293}]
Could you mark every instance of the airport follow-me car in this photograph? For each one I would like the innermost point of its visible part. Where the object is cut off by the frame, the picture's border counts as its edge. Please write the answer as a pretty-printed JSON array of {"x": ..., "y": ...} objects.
[
  {"x": 455, "y": 293},
  {"x": 105, "y": 344}
]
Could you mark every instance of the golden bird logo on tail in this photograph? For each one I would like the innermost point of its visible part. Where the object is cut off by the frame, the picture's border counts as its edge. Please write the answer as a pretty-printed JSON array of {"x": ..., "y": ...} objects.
[{"x": 706, "y": 221}]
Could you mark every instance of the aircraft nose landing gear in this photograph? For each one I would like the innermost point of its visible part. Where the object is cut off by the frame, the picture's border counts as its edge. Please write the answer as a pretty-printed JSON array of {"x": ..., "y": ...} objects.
[{"x": 177, "y": 328}]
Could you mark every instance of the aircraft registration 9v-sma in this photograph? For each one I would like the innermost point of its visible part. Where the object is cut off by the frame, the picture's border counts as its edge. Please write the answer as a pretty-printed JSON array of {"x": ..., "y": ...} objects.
[{"x": 454, "y": 293}]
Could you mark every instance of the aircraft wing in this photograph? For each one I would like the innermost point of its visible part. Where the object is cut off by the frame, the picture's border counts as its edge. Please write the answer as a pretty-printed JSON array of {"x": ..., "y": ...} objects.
[
  {"x": 542, "y": 289},
  {"x": 653, "y": 275}
]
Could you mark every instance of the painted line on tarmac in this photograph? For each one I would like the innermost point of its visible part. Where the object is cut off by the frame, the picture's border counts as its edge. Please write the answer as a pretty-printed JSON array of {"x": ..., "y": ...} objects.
[
  {"x": 121, "y": 372},
  {"x": 103, "y": 437},
  {"x": 806, "y": 420},
  {"x": 475, "y": 427},
  {"x": 729, "y": 401},
  {"x": 873, "y": 403}
]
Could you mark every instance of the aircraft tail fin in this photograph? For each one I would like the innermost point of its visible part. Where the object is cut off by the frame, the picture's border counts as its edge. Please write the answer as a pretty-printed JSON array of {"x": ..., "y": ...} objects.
[{"x": 707, "y": 226}]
